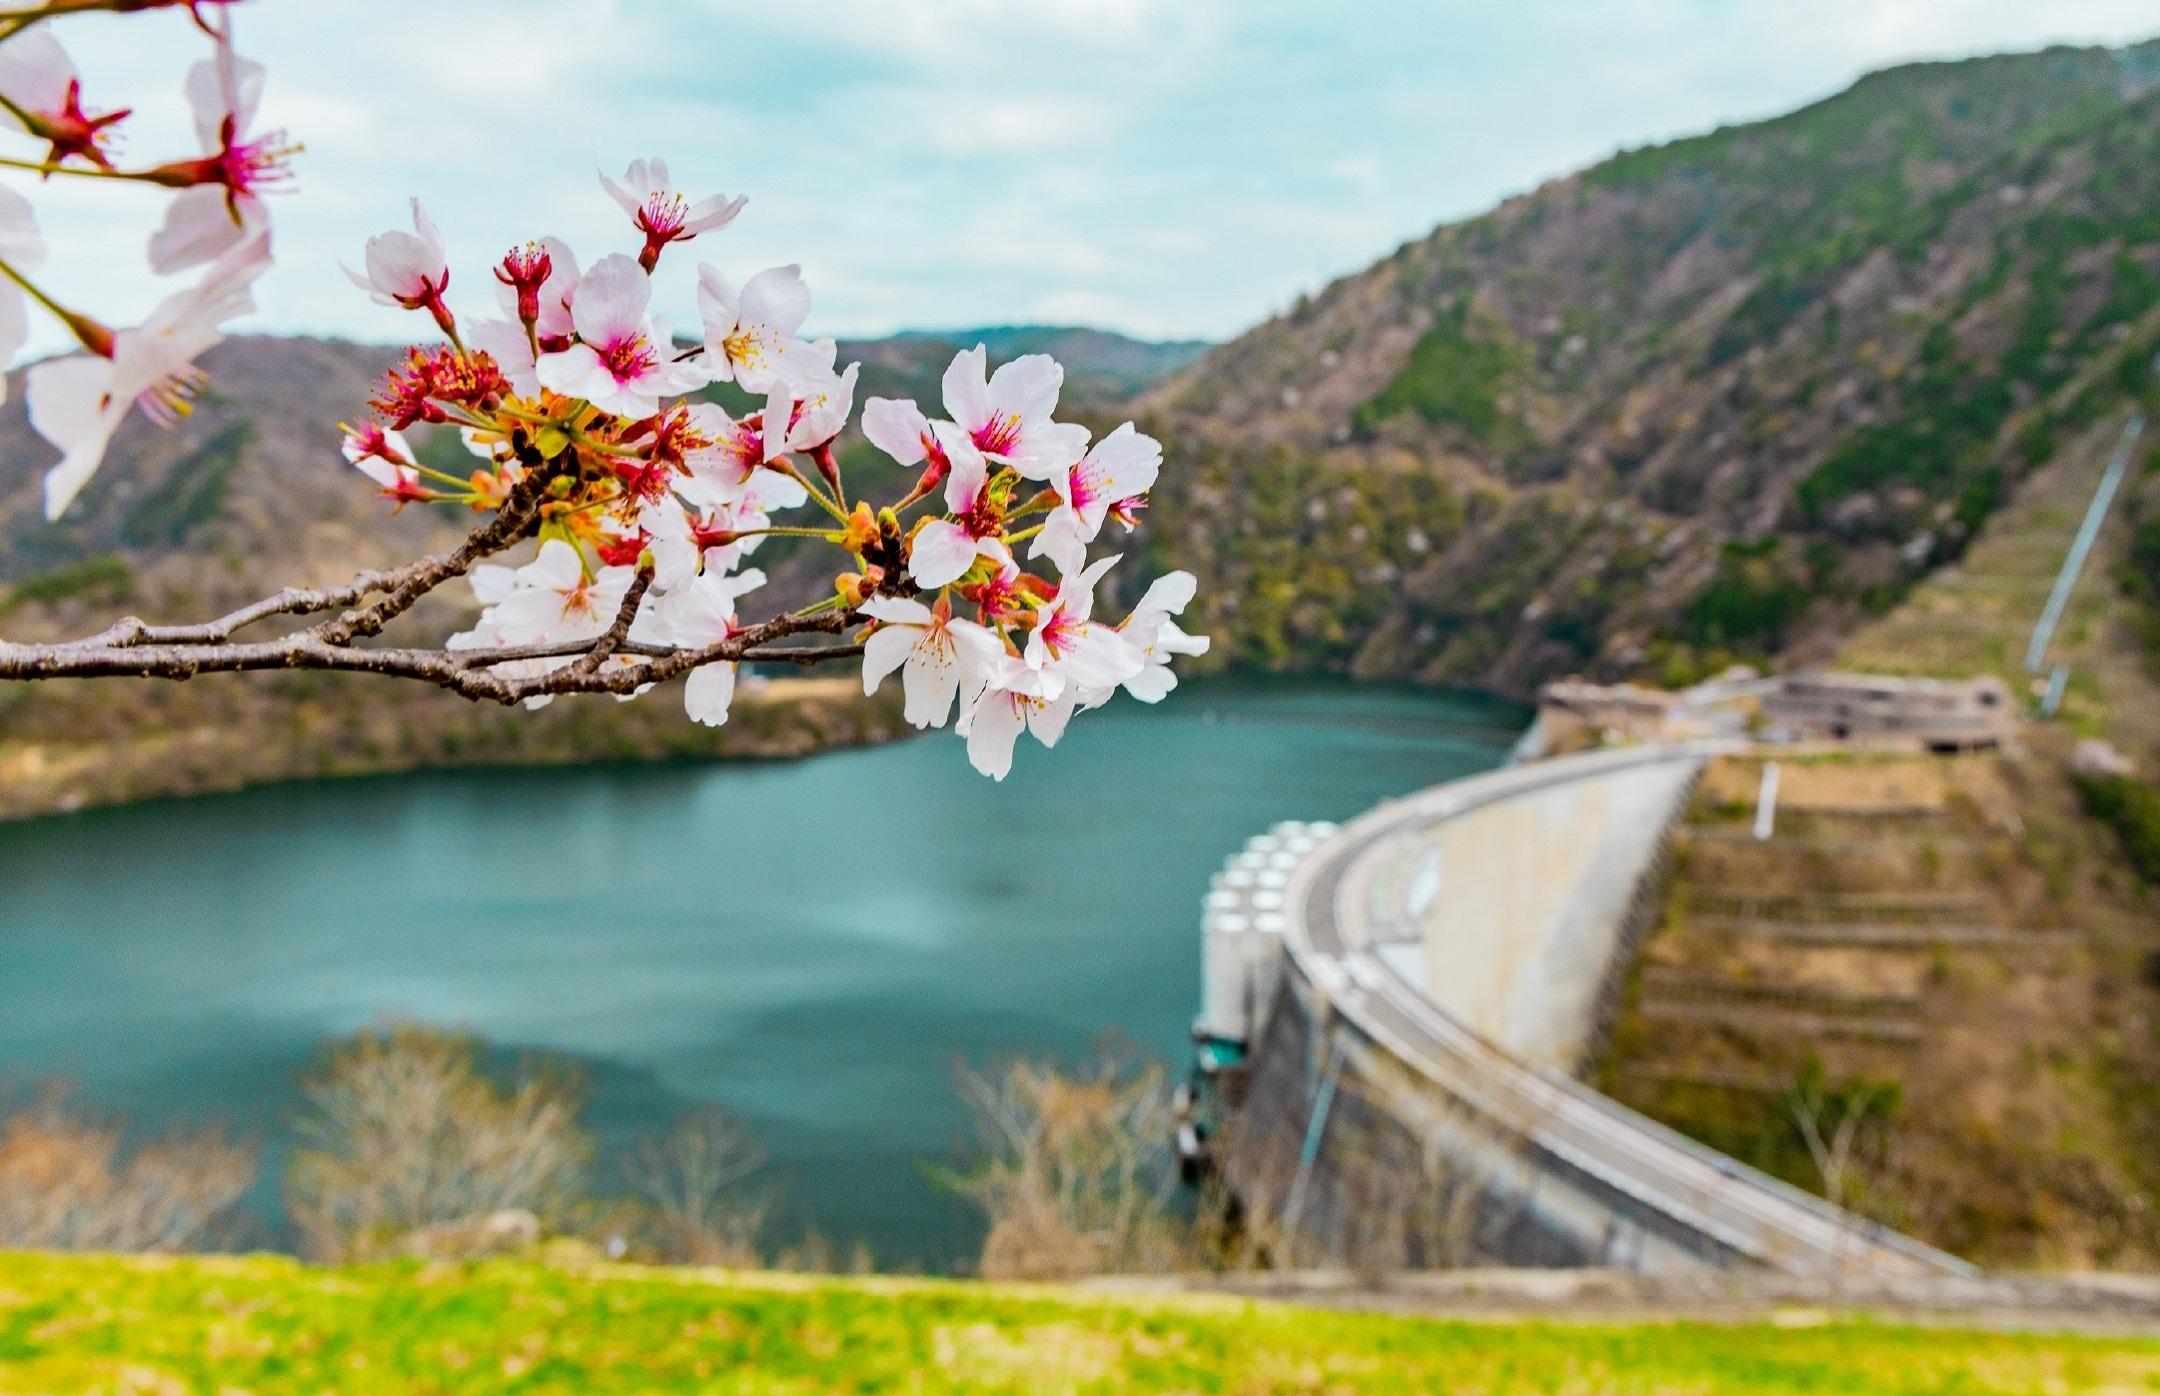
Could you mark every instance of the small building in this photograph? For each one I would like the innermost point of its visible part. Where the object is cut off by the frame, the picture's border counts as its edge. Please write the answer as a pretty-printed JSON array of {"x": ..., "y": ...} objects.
[
  {"x": 1573, "y": 714},
  {"x": 1939, "y": 714}
]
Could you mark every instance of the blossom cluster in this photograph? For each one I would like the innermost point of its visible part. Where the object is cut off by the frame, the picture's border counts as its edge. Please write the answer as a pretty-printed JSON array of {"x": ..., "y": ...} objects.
[
  {"x": 215, "y": 219},
  {"x": 652, "y": 496}
]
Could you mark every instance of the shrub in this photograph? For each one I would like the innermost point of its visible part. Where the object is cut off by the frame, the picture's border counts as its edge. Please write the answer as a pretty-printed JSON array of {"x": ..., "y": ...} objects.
[
  {"x": 412, "y": 1149},
  {"x": 692, "y": 1205},
  {"x": 2132, "y": 809},
  {"x": 1075, "y": 1176},
  {"x": 69, "y": 1182}
]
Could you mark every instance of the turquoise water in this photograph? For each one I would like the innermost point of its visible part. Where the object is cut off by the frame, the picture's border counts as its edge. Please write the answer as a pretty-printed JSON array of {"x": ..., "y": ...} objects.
[{"x": 814, "y": 945}]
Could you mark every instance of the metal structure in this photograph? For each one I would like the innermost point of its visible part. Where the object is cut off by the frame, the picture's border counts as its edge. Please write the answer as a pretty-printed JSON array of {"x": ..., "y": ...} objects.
[{"x": 2088, "y": 533}]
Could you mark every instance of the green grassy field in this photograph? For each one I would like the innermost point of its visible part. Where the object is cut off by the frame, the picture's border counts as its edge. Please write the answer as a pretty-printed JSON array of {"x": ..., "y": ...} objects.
[{"x": 261, "y": 1326}]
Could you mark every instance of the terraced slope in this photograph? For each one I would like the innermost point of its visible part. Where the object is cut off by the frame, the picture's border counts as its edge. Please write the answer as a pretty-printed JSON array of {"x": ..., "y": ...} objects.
[{"x": 1932, "y": 949}]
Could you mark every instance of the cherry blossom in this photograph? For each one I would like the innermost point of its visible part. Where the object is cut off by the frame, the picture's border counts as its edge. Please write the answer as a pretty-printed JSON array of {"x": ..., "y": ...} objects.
[
  {"x": 41, "y": 93},
  {"x": 1016, "y": 697},
  {"x": 219, "y": 204},
  {"x": 1151, "y": 630},
  {"x": 23, "y": 248},
  {"x": 1121, "y": 466},
  {"x": 623, "y": 362},
  {"x": 936, "y": 655},
  {"x": 699, "y": 615},
  {"x": 555, "y": 598},
  {"x": 944, "y": 549},
  {"x": 1007, "y": 414},
  {"x": 899, "y": 429},
  {"x": 534, "y": 286},
  {"x": 817, "y": 407},
  {"x": 663, "y": 214},
  {"x": 385, "y": 457},
  {"x": 410, "y": 270},
  {"x": 672, "y": 542},
  {"x": 1087, "y": 653},
  {"x": 727, "y": 530},
  {"x": 750, "y": 336},
  {"x": 77, "y": 403},
  {"x": 735, "y": 453},
  {"x": 511, "y": 349}
]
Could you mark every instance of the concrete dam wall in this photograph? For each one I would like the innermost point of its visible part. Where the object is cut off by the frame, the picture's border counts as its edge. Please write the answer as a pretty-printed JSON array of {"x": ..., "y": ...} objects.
[{"x": 1394, "y": 1010}]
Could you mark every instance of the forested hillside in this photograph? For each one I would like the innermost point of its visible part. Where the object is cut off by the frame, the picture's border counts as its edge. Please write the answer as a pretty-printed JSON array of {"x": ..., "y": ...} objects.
[{"x": 1725, "y": 397}]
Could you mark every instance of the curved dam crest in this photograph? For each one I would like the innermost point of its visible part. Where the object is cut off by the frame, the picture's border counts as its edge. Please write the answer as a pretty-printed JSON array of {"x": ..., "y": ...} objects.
[{"x": 1393, "y": 1011}]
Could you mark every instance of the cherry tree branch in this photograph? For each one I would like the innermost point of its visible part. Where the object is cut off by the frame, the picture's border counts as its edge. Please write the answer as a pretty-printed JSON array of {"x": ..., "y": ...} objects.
[{"x": 132, "y": 647}]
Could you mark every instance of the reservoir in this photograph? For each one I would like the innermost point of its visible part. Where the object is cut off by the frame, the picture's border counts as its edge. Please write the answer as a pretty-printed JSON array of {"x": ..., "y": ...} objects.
[{"x": 814, "y": 945}]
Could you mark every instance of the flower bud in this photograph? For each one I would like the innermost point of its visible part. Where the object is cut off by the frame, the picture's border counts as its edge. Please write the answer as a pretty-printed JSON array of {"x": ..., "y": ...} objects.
[
  {"x": 862, "y": 532},
  {"x": 525, "y": 270}
]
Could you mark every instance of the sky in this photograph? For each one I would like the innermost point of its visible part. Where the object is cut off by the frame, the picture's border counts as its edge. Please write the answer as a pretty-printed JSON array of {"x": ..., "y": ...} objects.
[{"x": 1169, "y": 168}]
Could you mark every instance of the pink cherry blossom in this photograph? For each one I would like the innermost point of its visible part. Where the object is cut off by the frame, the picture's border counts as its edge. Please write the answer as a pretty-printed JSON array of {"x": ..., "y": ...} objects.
[
  {"x": 944, "y": 549},
  {"x": 385, "y": 457},
  {"x": 1122, "y": 465},
  {"x": 219, "y": 204},
  {"x": 410, "y": 270},
  {"x": 43, "y": 96},
  {"x": 937, "y": 656},
  {"x": 23, "y": 247},
  {"x": 623, "y": 362},
  {"x": 1151, "y": 630},
  {"x": 1014, "y": 698},
  {"x": 816, "y": 407},
  {"x": 77, "y": 403},
  {"x": 672, "y": 542},
  {"x": 750, "y": 337},
  {"x": 511, "y": 349},
  {"x": 545, "y": 273},
  {"x": 899, "y": 429},
  {"x": 663, "y": 214},
  {"x": 737, "y": 455},
  {"x": 1007, "y": 415},
  {"x": 1067, "y": 641},
  {"x": 553, "y": 598},
  {"x": 699, "y": 615},
  {"x": 727, "y": 530}
]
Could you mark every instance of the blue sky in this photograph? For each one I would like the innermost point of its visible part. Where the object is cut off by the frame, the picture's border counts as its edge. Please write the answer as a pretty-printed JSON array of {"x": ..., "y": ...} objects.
[{"x": 1165, "y": 167}]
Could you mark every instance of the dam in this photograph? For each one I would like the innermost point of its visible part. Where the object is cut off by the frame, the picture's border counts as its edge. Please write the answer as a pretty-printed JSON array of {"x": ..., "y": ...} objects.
[{"x": 1394, "y": 1014}]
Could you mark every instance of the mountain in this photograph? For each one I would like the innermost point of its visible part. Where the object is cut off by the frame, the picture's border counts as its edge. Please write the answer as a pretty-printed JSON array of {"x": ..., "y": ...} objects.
[
  {"x": 1725, "y": 397},
  {"x": 249, "y": 494}
]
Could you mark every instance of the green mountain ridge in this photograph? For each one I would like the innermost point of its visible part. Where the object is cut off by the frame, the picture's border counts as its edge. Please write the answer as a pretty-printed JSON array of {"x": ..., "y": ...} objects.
[{"x": 1722, "y": 397}]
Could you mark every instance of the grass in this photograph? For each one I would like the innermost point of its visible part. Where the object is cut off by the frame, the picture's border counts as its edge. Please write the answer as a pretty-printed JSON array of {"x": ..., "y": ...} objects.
[{"x": 264, "y": 1326}]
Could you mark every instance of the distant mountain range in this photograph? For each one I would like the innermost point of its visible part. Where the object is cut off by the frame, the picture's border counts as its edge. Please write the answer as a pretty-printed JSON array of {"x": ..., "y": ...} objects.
[{"x": 1724, "y": 397}]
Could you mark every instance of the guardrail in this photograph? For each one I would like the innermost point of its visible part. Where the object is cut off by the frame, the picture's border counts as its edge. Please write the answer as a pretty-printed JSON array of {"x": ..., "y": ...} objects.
[{"x": 1350, "y": 890}]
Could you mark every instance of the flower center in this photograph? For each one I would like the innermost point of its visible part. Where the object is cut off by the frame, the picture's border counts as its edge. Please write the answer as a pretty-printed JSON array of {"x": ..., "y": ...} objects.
[
  {"x": 629, "y": 358},
  {"x": 172, "y": 397},
  {"x": 663, "y": 214},
  {"x": 999, "y": 435}
]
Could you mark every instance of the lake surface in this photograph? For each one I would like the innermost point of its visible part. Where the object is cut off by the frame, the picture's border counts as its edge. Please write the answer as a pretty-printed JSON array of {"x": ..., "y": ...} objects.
[{"x": 814, "y": 945}]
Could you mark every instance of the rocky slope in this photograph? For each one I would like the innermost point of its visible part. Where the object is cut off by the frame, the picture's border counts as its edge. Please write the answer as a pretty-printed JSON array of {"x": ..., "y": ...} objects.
[{"x": 1727, "y": 396}]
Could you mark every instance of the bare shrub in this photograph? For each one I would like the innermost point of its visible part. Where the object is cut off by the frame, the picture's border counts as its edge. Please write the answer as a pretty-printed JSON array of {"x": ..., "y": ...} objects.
[
  {"x": 1075, "y": 1174},
  {"x": 692, "y": 1200},
  {"x": 68, "y": 1181},
  {"x": 412, "y": 1149}
]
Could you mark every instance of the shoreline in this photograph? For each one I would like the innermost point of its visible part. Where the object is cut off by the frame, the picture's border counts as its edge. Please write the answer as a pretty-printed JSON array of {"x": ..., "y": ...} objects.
[{"x": 789, "y": 718}]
